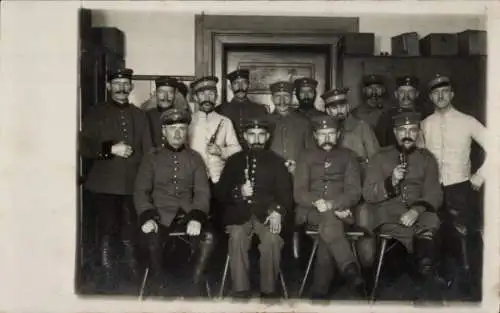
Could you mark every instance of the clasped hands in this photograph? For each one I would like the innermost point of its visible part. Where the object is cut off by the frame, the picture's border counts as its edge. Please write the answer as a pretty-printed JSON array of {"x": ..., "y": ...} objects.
[
  {"x": 325, "y": 205},
  {"x": 193, "y": 227}
]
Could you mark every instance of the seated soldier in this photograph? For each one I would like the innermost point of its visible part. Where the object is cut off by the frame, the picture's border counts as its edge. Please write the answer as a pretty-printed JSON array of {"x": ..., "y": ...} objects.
[
  {"x": 403, "y": 183},
  {"x": 256, "y": 191},
  {"x": 327, "y": 185},
  {"x": 172, "y": 195}
]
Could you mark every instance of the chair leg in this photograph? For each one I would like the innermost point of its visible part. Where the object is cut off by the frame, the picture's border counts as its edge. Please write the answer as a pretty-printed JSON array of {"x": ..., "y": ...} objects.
[
  {"x": 311, "y": 258},
  {"x": 379, "y": 267},
  {"x": 355, "y": 252},
  {"x": 224, "y": 277},
  {"x": 209, "y": 291},
  {"x": 283, "y": 285},
  {"x": 143, "y": 285}
]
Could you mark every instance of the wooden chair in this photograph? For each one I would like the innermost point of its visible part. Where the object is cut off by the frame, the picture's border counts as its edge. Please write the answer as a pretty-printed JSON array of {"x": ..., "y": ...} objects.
[{"x": 384, "y": 240}]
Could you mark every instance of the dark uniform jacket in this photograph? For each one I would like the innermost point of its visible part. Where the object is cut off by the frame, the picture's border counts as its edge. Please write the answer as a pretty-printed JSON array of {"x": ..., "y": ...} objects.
[
  {"x": 359, "y": 137},
  {"x": 239, "y": 111},
  {"x": 329, "y": 175},
  {"x": 420, "y": 188},
  {"x": 272, "y": 186},
  {"x": 103, "y": 126},
  {"x": 291, "y": 134},
  {"x": 310, "y": 113},
  {"x": 370, "y": 115},
  {"x": 170, "y": 180},
  {"x": 155, "y": 126}
]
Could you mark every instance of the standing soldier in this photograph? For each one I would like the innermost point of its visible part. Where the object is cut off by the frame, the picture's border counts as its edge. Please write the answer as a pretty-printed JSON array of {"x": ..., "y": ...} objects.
[
  {"x": 116, "y": 136},
  {"x": 356, "y": 135},
  {"x": 406, "y": 94},
  {"x": 240, "y": 108},
  {"x": 327, "y": 186},
  {"x": 292, "y": 131},
  {"x": 403, "y": 183},
  {"x": 211, "y": 134},
  {"x": 448, "y": 134},
  {"x": 373, "y": 105},
  {"x": 257, "y": 193},
  {"x": 305, "y": 91},
  {"x": 172, "y": 195},
  {"x": 166, "y": 89}
]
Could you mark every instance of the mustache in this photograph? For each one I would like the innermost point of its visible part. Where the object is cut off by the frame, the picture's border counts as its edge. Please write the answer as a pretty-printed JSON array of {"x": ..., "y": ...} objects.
[
  {"x": 326, "y": 144},
  {"x": 407, "y": 139},
  {"x": 257, "y": 146},
  {"x": 207, "y": 102},
  {"x": 238, "y": 90}
]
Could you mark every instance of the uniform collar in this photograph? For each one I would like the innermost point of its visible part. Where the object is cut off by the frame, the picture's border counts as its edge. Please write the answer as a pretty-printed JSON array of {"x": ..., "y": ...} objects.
[
  {"x": 448, "y": 111},
  {"x": 119, "y": 105},
  {"x": 238, "y": 101},
  {"x": 170, "y": 148},
  {"x": 408, "y": 152}
]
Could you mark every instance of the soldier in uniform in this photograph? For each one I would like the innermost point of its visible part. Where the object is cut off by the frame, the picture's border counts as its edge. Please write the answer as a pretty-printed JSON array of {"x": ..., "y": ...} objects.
[
  {"x": 212, "y": 135},
  {"x": 240, "y": 108},
  {"x": 292, "y": 131},
  {"x": 172, "y": 195},
  {"x": 406, "y": 94},
  {"x": 115, "y": 135},
  {"x": 402, "y": 182},
  {"x": 327, "y": 185},
  {"x": 373, "y": 105},
  {"x": 166, "y": 89},
  {"x": 257, "y": 193},
  {"x": 357, "y": 135},
  {"x": 305, "y": 91}
]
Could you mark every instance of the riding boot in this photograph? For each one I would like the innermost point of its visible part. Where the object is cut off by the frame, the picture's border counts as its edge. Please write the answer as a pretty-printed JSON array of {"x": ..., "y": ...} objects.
[
  {"x": 107, "y": 282},
  {"x": 158, "y": 276},
  {"x": 130, "y": 259},
  {"x": 355, "y": 280},
  {"x": 429, "y": 283},
  {"x": 205, "y": 251}
]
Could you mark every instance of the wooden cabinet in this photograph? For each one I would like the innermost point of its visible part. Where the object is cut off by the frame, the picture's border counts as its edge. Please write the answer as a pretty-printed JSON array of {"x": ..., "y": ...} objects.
[{"x": 467, "y": 74}]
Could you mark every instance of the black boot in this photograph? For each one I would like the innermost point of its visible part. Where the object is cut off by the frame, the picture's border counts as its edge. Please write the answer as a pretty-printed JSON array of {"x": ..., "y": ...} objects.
[
  {"x": 355, "y": 279},
  {"x": 429, "y": 284},
  {"x": 205, "y": 252},
  {"x": 107, "y": 282},
  {"x": 158, "y": 279},
  {"x": 131, "y": 260}
]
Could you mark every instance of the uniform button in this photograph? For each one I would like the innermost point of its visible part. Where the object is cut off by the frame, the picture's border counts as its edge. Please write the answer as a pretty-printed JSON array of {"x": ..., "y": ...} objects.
[
  {"x": 123, "y": 123},
  {"x": 249, "y": 201},
  {"x": 175, "y": 176},
  {"x": 125, "y": 130}
]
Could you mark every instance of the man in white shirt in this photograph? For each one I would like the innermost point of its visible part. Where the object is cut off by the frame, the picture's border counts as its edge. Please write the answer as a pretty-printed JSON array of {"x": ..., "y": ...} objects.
[
  {"x": 211, "y": 134},
  {"x": 448, "y": 134}
]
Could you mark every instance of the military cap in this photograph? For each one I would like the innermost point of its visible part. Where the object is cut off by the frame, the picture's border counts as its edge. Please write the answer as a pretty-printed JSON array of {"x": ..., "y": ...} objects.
[
  {"x": 257, "y": 123},
  {"x": 407, "y": 81},
  {"x": 439, "y": 81},
  {"x": 372, "y": 79},
  {"x": 324, "y": 122},
  {"x": 281, "y": 86},
  {"x": 406, "y": 118},
  {"x": 335, "y": 96},
  {"x": 305, "y": 81},
  {"x": 240, "y": 73},
  {"x": 175, "y": 116},
  {"x": 121, "y": 73},
  {"x": 206, "y": 82},
  {"x": 167, "y": 81}
]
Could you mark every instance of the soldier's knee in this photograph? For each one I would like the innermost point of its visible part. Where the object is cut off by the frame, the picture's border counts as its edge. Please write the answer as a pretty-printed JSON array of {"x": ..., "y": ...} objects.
[
  {"x": 237, "y": 233},
  {"x": 271, "y": 241},
  {"x": 363, "y": 215},
  {"x": 329, "y": 231},
  {"x": 366, "y": 251},
  {"x": 208, "y": 238}
]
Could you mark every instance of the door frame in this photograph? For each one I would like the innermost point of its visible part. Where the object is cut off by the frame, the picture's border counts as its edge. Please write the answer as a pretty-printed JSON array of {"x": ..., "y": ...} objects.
[{"x": 213, "y": 32}]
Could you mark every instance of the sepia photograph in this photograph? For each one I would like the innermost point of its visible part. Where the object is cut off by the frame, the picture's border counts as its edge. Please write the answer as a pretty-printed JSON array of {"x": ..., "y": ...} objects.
[
  {"x": 258, "y": 160},
  {"x": 320, "y": 159}
]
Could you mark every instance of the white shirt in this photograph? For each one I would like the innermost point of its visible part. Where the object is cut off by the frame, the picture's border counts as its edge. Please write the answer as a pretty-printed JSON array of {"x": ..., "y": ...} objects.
[
  {"x": 448, "y": 135},
  {"x": 202, "y": 127}
]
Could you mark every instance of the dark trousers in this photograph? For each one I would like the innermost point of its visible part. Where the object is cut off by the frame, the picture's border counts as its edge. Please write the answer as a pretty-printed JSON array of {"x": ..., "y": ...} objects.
[
  {"x": 201, "y": 246},
  {"x": 117, "y": 218}
]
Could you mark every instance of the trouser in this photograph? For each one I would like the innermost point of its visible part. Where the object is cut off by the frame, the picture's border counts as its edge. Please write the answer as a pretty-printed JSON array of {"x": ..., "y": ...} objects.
[
  {"x": 417, "y": 239},
  {"x": 366, "y": 245},
  {"x": 201, "y": 245},
  {"x": 117, "y": 220},
  {"x": 459, "y": 220},
  {"x": 333, "y": 247},
  {"x": 240, "y": 239},
  {"x": 216, "y": 211}
]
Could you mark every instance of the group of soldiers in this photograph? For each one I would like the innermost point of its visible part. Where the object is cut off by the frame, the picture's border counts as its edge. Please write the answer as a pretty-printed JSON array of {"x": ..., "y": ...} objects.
[{"x": 238, "y": 170}]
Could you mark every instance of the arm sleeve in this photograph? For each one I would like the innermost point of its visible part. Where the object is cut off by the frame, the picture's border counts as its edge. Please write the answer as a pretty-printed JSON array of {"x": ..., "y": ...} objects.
[
  {"x": 370, "y": 141},
  {"x": 144, "y": 182},
  {"x": 480, "y": 135},
  {"x": 377, "y": 187},
  {"x": 352, "y": 186},
  {"x": 198, "y": 210},
  {"x": 147, "y": 135},
  {"x": 301, "y": 186},
  {"x": 432, "y": 193},
  {"x": 232, "y": 143},
  {"x": 283, "y": 189},
  {"x": 91, "y": 145}
]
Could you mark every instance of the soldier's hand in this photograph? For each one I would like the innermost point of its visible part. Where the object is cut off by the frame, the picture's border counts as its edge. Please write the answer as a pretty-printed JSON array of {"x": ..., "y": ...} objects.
[
  {"x": 476, "y": 181},
  {"x": 193, "y": 228},
  {"x": 321, "y": 205},
  {"x": 121, "y": 149},
  {"x": 247, "y": 189},
  {"x": 398, "y": 174},
  {"x": 149, "y": 226},
  {"x": 343, "y": 213},
  {"x": 409, "y": 218},
  {"x": 214, "y": 149},
  {"x": 274, "y": 221}
]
